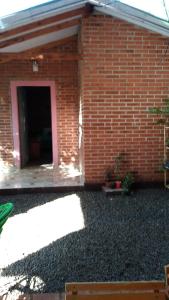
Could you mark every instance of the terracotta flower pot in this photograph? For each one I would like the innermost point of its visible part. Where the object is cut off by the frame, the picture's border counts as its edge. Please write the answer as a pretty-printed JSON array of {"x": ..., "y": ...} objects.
[{"x": 118, "y": 184}]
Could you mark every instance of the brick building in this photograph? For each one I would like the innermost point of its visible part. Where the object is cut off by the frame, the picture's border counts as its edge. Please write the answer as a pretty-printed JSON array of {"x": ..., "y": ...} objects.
[{"x": 77, "y": 79}]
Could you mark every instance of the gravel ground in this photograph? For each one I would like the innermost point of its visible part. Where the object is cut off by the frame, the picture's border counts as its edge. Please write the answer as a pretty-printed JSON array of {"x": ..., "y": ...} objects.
[{"x": 123, "y": 238}]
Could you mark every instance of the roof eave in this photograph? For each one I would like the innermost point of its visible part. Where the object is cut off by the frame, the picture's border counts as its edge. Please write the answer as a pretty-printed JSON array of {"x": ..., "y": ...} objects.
[
  {"x": 141, "y": 19},
  {"x": 27, "y": 16}
]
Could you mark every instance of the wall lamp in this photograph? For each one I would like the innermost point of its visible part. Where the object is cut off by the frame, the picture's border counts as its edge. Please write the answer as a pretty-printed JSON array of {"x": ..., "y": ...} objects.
[{"x": 35, "y": 66}]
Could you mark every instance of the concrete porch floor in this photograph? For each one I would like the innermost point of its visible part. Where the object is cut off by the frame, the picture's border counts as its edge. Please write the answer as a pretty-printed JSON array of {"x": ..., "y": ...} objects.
[{"x": 43, "y": 176}]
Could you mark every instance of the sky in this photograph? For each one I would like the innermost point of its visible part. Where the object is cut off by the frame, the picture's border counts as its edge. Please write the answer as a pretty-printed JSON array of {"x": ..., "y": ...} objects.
[
  {"x": 11, "y": 6},
  {"x": 155, "y": 7}
]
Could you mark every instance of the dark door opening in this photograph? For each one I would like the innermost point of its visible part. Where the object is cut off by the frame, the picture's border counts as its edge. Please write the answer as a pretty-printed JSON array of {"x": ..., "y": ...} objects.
[{"x": 34, "y": 105}]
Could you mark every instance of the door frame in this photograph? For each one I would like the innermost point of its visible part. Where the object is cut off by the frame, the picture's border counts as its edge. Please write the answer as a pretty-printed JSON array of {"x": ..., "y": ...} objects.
[{"x": 15, "y": 117}]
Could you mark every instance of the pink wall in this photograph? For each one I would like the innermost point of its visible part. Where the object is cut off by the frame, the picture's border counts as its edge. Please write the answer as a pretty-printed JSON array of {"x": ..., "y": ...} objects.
[{"x": 15, "y": 117}]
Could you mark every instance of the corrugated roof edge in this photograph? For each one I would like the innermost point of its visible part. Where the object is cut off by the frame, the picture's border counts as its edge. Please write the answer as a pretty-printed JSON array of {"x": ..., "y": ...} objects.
[
  {"x": 110, "y": 7},
  {"x": 133, "y": 15},
  {"x": 38, "y": 12},
  {"x": 29, "y": 9}
]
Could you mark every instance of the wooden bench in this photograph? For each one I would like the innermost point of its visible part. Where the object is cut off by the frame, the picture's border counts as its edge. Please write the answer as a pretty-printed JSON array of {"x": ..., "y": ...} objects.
[
  {"x": 139, "y": 290},
  {"x": 166, "y": 269},
  {"x": 134, "y": 290}
]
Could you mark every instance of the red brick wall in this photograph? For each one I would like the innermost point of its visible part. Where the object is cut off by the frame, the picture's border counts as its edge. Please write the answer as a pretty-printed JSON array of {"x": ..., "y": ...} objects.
[
  {"x": 65, "y": 76},
  {"x": 124, "y": 72}
]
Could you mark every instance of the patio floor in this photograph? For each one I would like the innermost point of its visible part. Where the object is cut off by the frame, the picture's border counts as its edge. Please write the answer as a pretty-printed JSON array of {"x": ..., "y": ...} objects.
[
  {"x": 54, "y": 238},
  {"x": 40, "y": 177}
]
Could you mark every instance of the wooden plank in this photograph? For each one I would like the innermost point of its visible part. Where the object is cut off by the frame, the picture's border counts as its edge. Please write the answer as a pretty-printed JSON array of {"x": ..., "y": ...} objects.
[
  {"x": 53, "y": 56},
  {"x": 112, "y": 286},
  {"x": 138, "y": 290},
  {"x": 5, "y": 61},
  {"x": 48, "y": 46},
  {"x": 166, "y": 268},
  {"x": 35, "y": 50},
  {"x": 44, "y": 22},
  {"x": 49, "y": 296},
  {"x": 28, "y": 36},
  {"x": 62, "y": 56},
  {"x": 143, "y": 296}
]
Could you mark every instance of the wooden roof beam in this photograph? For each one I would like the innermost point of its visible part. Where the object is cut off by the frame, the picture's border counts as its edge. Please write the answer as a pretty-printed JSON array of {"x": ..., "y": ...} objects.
[
  {"x": 6, "y": 57},
  {"x": 85, "y": 11},
  {"x": 50, "y": 45},
  {"x": 43, "y": 56},
  {"x": 40, "y": 32}
]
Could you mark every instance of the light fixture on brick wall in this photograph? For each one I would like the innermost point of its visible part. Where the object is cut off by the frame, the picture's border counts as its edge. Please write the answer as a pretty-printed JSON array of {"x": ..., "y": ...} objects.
[{"x": 35, "y": 66}]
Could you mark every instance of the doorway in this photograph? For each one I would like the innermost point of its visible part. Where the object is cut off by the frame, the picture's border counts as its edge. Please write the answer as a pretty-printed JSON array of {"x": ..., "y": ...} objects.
[
  {"x": 34, "y": 106},
  {"x": 34, "y": 123}
]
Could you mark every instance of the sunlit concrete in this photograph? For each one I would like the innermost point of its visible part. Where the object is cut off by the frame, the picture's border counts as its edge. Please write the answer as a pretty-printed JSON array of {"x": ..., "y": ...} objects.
[{"x": 40, "y": 176}]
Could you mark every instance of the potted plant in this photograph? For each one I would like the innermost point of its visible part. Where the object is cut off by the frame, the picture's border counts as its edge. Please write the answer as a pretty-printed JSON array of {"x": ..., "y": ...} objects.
[
  {"x": 117, "y": 169},
  {"x": 127, "y": 183}
]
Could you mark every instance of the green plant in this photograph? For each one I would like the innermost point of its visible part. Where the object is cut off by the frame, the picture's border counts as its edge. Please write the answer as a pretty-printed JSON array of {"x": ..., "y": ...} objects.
[
  {"x": 127, "y": 182},
  {"x": 112, "y": 184},
  {"x": 119, "y": 159},
  {"x": 163, "y": 112}
]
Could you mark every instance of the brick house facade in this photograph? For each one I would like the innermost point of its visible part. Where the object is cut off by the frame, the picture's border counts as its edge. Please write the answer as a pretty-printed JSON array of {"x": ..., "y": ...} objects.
[{"x": 124, "y": 70}]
